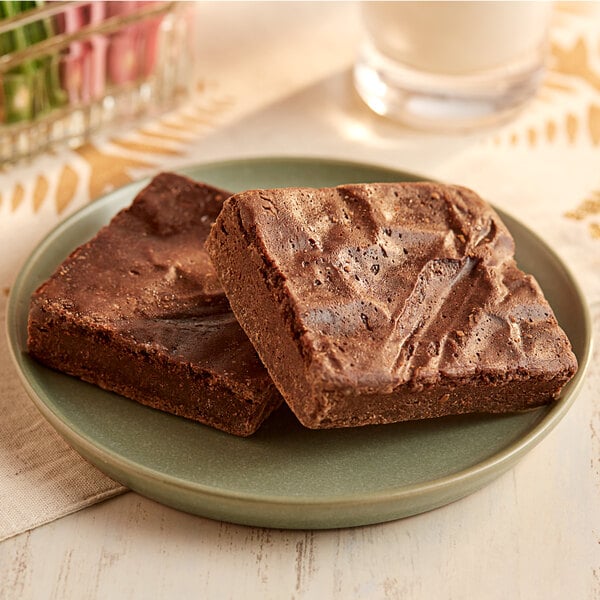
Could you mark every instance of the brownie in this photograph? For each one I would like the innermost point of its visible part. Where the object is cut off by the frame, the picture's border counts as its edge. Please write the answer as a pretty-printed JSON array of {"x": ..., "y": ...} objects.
[
  {"x": 387, "y": 302},
  {"x": 138, "y": 310}
]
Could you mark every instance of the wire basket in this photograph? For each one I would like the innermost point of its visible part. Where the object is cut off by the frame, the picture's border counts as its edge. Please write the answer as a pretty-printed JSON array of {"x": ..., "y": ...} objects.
[{"x": 69, "y": 69}]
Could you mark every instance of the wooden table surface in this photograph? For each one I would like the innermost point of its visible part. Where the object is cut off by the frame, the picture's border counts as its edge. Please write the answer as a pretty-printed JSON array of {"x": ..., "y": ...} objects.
[{"x": 281, "y": 73}]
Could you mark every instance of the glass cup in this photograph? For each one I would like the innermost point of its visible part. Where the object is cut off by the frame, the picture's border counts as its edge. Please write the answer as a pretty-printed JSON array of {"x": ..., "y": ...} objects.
[{"x": 451, "y": 65}]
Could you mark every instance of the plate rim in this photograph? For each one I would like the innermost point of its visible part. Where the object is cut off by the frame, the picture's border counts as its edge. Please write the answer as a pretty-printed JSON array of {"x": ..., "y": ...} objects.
[{"x": 491, "y": 467}]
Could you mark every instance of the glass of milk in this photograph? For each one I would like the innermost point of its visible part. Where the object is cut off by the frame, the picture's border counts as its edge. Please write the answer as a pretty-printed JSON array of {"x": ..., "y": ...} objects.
[{"x": 451, "y": 65}]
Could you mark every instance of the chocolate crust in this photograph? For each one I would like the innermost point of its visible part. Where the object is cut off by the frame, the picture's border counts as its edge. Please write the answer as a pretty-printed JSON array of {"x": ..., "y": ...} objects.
[
  {"x": 387, "y": 302},
  {"x": 138, "y": 310}
]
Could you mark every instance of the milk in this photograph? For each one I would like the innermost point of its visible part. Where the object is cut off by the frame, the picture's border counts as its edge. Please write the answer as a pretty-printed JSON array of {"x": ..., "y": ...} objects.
[
  {"x": 451, "y": 65},
  {"x": 457, "y": 38}
]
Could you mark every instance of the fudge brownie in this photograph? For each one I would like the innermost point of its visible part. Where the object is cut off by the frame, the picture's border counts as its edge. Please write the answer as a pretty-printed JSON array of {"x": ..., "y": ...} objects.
[
  {"x": 379, "y": 303},
  {"x": 138, "y": 310}
]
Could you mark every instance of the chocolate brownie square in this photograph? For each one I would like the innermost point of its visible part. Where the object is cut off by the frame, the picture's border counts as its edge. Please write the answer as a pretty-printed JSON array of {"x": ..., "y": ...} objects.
[
  {"x": 138, "y": 310},
  {"x": 379, "y": 303}
]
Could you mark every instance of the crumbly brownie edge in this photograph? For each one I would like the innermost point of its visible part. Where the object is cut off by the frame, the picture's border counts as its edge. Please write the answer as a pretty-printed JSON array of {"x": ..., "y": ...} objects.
[{"x": 249, "y": 282}]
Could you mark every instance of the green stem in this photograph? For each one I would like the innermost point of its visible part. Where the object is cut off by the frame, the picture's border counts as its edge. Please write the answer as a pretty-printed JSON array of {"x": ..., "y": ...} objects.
[{"x": 33, "y": 86}]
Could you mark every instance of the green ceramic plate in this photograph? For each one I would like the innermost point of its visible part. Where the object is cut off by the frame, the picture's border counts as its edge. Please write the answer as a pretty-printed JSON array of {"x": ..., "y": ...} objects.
[{"x": 287, "y": 476}]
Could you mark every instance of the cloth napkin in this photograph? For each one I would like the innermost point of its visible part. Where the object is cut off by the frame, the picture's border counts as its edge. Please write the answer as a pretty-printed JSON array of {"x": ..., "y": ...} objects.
[{"x": 542, "y": 167}]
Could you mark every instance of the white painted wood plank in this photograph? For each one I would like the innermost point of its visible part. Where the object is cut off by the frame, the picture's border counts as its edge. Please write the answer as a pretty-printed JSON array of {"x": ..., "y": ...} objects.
[{"x": 527, "y": 535}]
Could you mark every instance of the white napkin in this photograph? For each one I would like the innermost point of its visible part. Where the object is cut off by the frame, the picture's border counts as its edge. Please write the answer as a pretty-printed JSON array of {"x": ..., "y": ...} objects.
[{"x": 41, "y": 477}]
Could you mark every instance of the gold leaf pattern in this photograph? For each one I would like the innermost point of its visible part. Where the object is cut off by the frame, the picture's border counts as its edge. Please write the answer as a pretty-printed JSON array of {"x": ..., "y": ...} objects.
[
  {"x": 575, "y": 62},
  {"x": 17, "y": 197},
  {"x": 66, "y": 188},
  {"x": 176, "y": 126},
  {"x": 550, "y": 131},
  {"x": 594, "y": 123},
  {"x": 146, "y": 148},
  {"x": 589, "y": 208},
  {"x": 572, "y": 125},
  {"x": 39, "y": 192},
  {"x": 557, "y": 86},
  {"x": 161, "y": 135}
]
